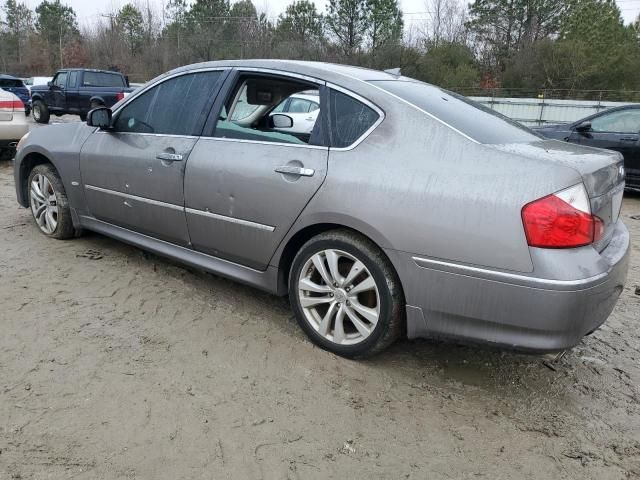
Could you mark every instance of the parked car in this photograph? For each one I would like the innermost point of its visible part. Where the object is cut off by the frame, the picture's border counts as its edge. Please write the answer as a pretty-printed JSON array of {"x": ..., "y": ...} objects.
[
  {"x": 17, "y": 87},
  {"x": 408, "y": 209},
  {"x": 13, "y": 123},
  {"x": 303, "y": 108},
  {"x": 615, "y": 129},
  {"x": 31, "y": 81},
  {"x": 76, "y": 91}
]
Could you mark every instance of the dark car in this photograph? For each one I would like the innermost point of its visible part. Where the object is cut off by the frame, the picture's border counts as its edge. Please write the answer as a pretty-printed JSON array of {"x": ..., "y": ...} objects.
[
  {"x": 76, "y": 91},
  {"x": 18, "y": 88},
  {"x": 614, "y": 129}
]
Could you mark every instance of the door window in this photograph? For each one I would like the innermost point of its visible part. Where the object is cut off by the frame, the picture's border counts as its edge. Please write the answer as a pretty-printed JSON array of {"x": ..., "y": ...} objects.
[
  {"x": 251, "y": 112},
  {"x": 623, "y": 121},
  {"x": 102, "y": 79},
  {"x": 73, "y": 79},
  {"x": 61, "y": 80},
  {"x": 349, "y": 119},
  {"x": 174, "y": 107},
  {"x": 299, "y": 105}
]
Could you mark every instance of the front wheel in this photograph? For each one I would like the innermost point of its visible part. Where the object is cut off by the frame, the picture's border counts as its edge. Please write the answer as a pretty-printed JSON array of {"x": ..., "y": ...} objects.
[
  {"x": 346, "y": 295},
  {"x": 49, "y": 204},
  {"x": 40, "y": 112}
]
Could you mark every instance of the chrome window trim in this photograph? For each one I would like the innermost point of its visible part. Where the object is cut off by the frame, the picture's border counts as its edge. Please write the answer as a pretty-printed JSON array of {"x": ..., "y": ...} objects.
[
  {"x": 368, "y": 103},
  {"x": 373, "y": 84},
  {"x": 192, "y": 137},
  {"x": 259, "y": 142},
  {"x": 135, "y": 197},
  {"x": 276, "y": 71},
  {"x": 238, "y": 221},
  {"x": 128, "y": 99}
]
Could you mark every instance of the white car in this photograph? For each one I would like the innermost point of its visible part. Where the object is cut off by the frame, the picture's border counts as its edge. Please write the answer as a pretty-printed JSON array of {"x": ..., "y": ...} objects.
[
  {"x": 13, "y": 123},
  {"x": 31, "y": 81},
  {"x": 303, "y": 108}
]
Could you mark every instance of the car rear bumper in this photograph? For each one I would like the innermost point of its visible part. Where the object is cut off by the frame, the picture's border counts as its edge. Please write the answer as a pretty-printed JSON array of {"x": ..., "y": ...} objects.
[
  {"x": 13, "y": 130},
  {"x": 508, "y": 309}
]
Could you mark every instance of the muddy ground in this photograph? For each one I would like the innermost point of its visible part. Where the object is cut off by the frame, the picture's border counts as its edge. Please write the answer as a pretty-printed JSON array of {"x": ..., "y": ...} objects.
[{"x": 117, "y": 364}]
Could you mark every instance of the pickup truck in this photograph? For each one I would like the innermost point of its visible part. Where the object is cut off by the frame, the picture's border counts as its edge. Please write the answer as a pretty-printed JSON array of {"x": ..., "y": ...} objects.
[{"x": 76, "y": 91}]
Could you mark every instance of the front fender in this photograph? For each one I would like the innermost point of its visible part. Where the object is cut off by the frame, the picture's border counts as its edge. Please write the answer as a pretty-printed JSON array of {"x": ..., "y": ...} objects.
[{"x": 60, "y": 146}]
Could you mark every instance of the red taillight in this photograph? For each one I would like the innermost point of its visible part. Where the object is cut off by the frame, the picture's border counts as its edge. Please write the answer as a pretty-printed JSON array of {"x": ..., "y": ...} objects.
[
  {"x": 119, "y": 96},
  {"x": 11, "y": 105},
  {"x": 562, "y": 220}
]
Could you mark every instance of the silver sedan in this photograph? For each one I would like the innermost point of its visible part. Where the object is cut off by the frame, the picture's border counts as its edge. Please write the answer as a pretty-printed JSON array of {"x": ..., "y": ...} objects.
[{"x": 406, "y": 210}]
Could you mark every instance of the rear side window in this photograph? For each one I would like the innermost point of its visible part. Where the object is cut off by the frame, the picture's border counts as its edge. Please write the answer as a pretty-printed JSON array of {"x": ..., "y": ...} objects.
[
  {"x": 174, "y": 107},
  {"x": 474, "y": 120},
  {"x": 349, "y": 119},
  {"x": 11, "y": 83},
  {"x": 102, "y": 79}
]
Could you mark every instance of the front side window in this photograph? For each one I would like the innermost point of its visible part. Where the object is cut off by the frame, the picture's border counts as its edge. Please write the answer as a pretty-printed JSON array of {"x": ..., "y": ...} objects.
[
  {"x": 624, "y": 121},
  {"x": 349, "y": 119},
  {"x": 258, "y": 109},
  {"x": 61, "y": 80},
  {"x": 299, "y": 105},
  {"x": 174, "y": 107}
]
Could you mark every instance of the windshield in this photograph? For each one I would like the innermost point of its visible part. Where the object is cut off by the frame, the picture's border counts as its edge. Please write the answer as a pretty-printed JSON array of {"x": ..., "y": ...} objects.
[{"x": 474, "y": 120}]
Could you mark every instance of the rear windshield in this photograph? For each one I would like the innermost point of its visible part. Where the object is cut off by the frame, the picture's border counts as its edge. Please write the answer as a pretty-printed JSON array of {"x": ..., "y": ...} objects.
[
  {"x": 102, "y": 79},
  {"x": 11, "y": 83},
  {"x": 474, "y": 120}
]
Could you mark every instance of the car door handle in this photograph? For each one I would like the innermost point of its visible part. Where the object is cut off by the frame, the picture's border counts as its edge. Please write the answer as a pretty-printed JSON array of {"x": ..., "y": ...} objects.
[
  {"x": 169, "y": 157},
  {"x": 629, "y": 139},
  {"x": 300, "y": 171}
]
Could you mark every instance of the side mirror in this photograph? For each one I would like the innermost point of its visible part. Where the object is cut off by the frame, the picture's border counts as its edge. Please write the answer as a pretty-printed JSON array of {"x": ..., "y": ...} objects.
[
  {"x": 584, "y": 127},
  {"x": 50, "y": 84},
  {"x": 100, "y": 117},
  {"x": 281, "y": 121}
]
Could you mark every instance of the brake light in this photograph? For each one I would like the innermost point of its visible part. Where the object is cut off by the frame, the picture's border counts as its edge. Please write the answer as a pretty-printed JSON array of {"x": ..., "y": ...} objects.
[
  {"x": 119, "y": 96},
  {"x": 11, "y": 105},
  {"x": 562, "y": 220}
]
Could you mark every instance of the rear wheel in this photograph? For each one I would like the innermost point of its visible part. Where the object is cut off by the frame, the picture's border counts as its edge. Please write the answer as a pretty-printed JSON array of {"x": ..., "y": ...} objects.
[
  {"x": 83, "y": 117},
  {"x": 346, "y": 295},
  {"x": 49, "y": 204},
  {"x": 95, "y": 104},
  {"x": 40, "y": 112}
]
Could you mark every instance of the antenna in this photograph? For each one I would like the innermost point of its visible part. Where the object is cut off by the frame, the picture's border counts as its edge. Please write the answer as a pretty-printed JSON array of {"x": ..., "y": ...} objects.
[{"x": 393, "y": 71}]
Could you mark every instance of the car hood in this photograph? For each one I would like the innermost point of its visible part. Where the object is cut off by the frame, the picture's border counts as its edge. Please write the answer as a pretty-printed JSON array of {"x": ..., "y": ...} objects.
[{"x": 600, "y": 169}]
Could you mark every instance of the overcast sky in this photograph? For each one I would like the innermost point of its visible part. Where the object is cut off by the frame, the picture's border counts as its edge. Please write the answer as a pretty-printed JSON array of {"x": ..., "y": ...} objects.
[{"x": 89, "y": 10}]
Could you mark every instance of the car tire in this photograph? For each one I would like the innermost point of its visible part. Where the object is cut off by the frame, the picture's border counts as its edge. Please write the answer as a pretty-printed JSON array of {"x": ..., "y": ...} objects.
[
  {"x": 51, "y": 215},
  {"x": 40, "y": 112},
  {"x": 95, "y": 104},
  {"x": 83, "y": 117},
  {"x": 362, "y": 313}
]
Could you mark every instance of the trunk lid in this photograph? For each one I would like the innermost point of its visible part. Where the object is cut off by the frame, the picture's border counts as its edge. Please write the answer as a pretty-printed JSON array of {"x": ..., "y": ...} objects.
[{"x": 602, "y": 173}]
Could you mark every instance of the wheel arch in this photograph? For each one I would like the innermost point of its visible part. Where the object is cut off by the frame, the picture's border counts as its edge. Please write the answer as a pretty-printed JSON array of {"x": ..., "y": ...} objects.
[
  {"x": 28, "y": 163},
  {"x": 97, "y": 99},
  {"x": 283, "y": 258}
]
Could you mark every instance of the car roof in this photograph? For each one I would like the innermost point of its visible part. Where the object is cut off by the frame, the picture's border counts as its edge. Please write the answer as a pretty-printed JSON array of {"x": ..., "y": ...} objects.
[{"x": 4, "y": 76}]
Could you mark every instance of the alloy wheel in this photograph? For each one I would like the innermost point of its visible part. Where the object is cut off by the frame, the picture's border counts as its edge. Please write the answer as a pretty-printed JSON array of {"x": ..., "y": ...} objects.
[
  {"x": 339, "y": 297},
  {"x": 36, "y": 112},
  {"x": 44, "y": 203}
]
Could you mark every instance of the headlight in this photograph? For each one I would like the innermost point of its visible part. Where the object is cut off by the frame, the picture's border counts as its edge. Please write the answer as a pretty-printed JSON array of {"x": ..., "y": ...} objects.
[{"x": 22, "y": 140}]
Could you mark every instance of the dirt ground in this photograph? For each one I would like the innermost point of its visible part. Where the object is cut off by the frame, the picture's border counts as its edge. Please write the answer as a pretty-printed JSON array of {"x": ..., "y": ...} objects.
[{"x": 117, "y": 364}]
